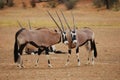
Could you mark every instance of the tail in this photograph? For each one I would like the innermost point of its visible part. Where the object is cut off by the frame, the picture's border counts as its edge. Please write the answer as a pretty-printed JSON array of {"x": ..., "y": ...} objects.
[
  {"x": 94, "y": 48},
  {"x": 16, "y": 56}
]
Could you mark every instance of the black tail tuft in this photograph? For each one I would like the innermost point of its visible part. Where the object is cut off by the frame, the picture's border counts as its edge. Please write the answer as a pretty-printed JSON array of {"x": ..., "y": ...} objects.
[
  {"x": 16, "y": 51},
  {"x": 16, "y": 56},
  {"x": 94, "y": 48}
]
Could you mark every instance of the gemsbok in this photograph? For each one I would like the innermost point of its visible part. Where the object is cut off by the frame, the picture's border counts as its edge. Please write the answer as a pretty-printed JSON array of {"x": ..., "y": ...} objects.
[
  {"x": 29, "y": 49},
  {"x": 41, "y": 38},
  {"x": 80, "y": 37},
  {"x": 76, "y": 38}
]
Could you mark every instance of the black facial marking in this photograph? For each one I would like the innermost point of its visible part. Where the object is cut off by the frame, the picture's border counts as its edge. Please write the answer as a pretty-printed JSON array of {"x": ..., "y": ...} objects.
[
  {"x": 64, "y": 38},
  {"x": 73, "y": 36}
]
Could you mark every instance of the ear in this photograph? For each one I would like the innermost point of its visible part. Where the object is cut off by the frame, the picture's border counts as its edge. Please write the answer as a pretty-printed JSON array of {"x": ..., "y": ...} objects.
[{"x": 55, "y": 30}]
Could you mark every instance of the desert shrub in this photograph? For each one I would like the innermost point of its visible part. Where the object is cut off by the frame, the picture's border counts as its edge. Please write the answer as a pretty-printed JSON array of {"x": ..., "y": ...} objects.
[
  {"x": 33, "y": 4},
  {"x": 108, "y": 3},
  {"x": 24, "y": 4},
  {"x": 1, "y": 4},
  {"x": 70, "y": 3},
  {"x": 10, "y": 3},
  {"x": 98, "y": 3},
  {"x": 116, "y": 6},
  {"x": 52, "y": 3}
]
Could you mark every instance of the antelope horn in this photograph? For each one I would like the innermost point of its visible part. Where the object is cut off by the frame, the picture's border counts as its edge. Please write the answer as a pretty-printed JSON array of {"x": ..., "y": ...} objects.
[
  {"x": 65, "y": 20},
  {"x": 60, "y": 21},
  {"x": 54, "y": 20},
  {"x": 29, "y": 24},
  {"x": 73, "y": 20},
  {"x": 19, "y": 24}
]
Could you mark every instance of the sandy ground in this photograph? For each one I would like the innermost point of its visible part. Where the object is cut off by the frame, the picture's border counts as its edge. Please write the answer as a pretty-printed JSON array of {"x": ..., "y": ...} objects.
[
  {"x": 107, "y": 64},
  {"x": 105, "y": 24}
]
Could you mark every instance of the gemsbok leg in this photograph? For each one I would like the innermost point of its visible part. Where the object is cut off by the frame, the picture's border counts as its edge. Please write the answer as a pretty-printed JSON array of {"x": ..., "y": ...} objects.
[
  {"x": 68, "y": 57},
  {"x": 20, "y": 61},
  {"x": 77, "y": 55},
  {"x": 88, "y": 47},
  {"x": 39, "y": 52},
  {"x": 47, "y": 55}
]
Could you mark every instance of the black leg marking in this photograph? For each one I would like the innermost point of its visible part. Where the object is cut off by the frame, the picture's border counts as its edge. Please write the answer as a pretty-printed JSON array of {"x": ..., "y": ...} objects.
[
  {"x": 47, "y": 51},
  {"x": 77, "y": 50},
  {"x": 78, "y": 60},
  {"x": 47, "y": 54},
  {"x": 21, "y": 48},
  {"x": 69, "y": 51},
  {"x": 48, "y": 61},
  {"x": 40, "y": 51},
  {"x": 88, "y": 59},
  {"x": 34, "y": 44}
]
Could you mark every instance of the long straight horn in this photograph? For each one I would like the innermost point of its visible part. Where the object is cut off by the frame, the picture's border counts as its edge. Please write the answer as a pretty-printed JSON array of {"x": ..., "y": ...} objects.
[
  {"x": 60, "y": 21},
  {"x": 29, "y": 24},
  {"x": 73, "y": 20},
  {"x": 65, "y": 20},
  {"x": 19, "y": 24},
  {"x": 54, "y": 21}
]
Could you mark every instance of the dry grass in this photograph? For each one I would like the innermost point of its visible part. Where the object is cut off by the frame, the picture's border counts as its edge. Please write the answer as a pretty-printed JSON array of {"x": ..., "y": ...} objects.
[
  {"x": 105, "y": 24},
  {"x": 85, "y": 15}
]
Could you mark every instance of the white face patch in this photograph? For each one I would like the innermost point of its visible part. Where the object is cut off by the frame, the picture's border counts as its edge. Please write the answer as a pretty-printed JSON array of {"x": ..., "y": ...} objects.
[
  {"x": 65, "y": 42},
  {"x": 74, "y": 41},
  {"x": 74, "y": 37},
  {"x": 73, "y": 34},
  {"x": 64, "y": 35}
]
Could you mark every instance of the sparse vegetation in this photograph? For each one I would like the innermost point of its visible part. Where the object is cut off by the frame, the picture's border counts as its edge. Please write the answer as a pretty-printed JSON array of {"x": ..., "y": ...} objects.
[
  {"x": 52, "y": 3},
  {"x": 10, "y": 3},
  {"x": 108, "y": 3},
  {"x": 33, "y": 4},
  {"x": 70, "y": 4},
  {"x": 1, "y": 4}
]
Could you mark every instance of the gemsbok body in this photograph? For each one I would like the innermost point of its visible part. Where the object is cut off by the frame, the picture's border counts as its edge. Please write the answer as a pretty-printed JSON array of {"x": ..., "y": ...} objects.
[
  {"x": 41, "y": 38},
  {"x": 76, "y": 38},
  {"x": 30, "y": 49}
]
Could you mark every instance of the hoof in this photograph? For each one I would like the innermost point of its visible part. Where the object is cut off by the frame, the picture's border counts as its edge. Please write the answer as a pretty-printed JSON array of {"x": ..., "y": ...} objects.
[
  {"x": 36, "y": 65},
  {"x": 49, "y": 65},
  {"x": 79, "y": 64},
  {"x": 20, "y": 66},
  {"x": 87, "y": 63},
  {"x": 92, "y": 63},
  {"x": 67, "y": 63}
]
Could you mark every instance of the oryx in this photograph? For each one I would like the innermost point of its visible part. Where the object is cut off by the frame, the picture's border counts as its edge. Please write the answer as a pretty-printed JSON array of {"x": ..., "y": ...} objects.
[
  {"x": 41, "y": 38},
  {"x": 76, "y": 38},
  {"x": 79, "y": 37}
]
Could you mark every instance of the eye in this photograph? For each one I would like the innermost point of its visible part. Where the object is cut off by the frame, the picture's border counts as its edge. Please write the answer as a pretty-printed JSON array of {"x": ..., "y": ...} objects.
[{"x": 64, "y": 32}]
